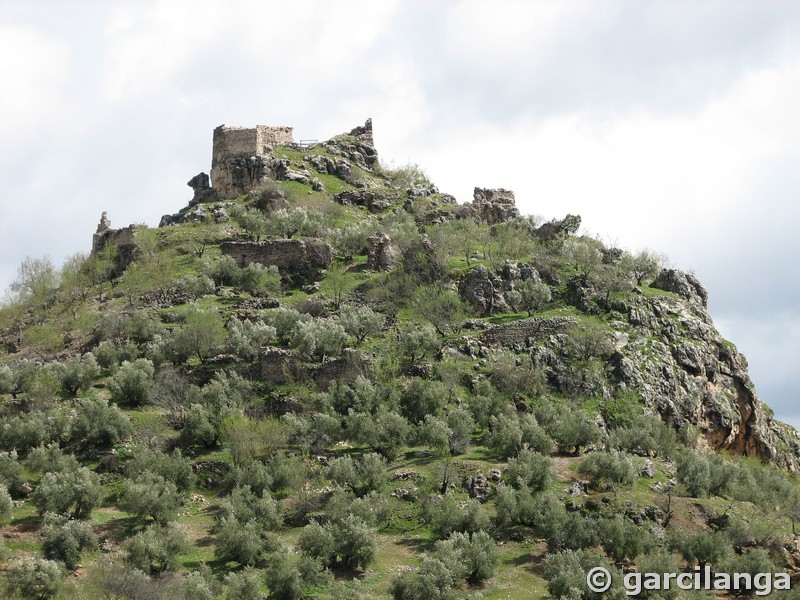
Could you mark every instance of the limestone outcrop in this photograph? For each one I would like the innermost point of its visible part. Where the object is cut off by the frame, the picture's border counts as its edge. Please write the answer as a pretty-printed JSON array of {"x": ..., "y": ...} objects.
[
  {"x": 382, "y": 253},
  {"x": 665, "y": 350},
  {"x": 494, "y": 205},
  {"x": 683, "y": 284}
]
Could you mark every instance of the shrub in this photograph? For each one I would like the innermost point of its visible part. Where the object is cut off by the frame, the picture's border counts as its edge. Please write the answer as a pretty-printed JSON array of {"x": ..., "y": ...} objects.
[
  {"x": 50, "y": 458},
  {"x": 157, "y": 549},
  {"x": 79, "y": 373},
  {"x": 242, "y": 542},
  {"x": 28, "y": 430},
  {"x": 6, "y": 380},
  {"x": 701, "y": 547},
  {"x": 531, "y": 469},
  {"x": 243, "y": 585},
  {"x": 195, "y": 286},
  {"x": 416, "y": 341},
  {"x": 172, "y": 467},
  {"x": 318, "y": 541},
  {"x": 342, "y": 471},
  {"x": 283, "y": 578},
  {"x": 98, "y": 424},
  {"x": 246, "y": 338},
  {"x": 203, "y": 333},
  {"x": 250, "y": 439},
  {"x": 566, "y": 574},
  {"x": 35, "y": 578},
  {"x": 608, "y": 469},
  {"x": 512, "y": 374},
  {"x": 64, "y": 540},
  {"x": 6, "y": 503},
  {"x": 255, "y": 475},
  {"x": 355, "y": 543},
  {"x": 133, "y": 382},
  {"x": 421, "y": 398},
  {"x": 284, "y": 320},
  {"x": 150, "y": 495},
  {"x": 448, "y": 515},
  {"x": 259, "y": 280},
  {"x": 440, "y": 306},
  {"x": 623, "y": 539},
  {"x": 77, "y": 491},
  {"x": 530, "y": 296},
  {"x": 645, "y": 436},
  {"x": 360, "y": 321},
  {"x": 319, "y": 338},
  {"x": 11, "y": 473},
  {"x": 244, "y": 505},
  {"x": 223, "y": 270},
  {"x": 703, "y": 474},
  {"x": 253, "y": 221},
  {"x": 198, "y": 429},
  {"x": 573, "y": 430}
]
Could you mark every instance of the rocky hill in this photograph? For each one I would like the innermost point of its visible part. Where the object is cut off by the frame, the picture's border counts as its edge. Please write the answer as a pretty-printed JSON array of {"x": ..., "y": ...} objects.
[{"x": 323, "y": 377}]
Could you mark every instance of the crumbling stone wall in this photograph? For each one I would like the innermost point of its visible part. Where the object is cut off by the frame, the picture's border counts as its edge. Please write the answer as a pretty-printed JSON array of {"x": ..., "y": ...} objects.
[
  {"x": 298, "y": 260},
  {"x": 237, "y": 160},
  {"x": 124, "y": 239},
  {"x": 520, "y": 332},
  {"x": 280, "y": 366}
]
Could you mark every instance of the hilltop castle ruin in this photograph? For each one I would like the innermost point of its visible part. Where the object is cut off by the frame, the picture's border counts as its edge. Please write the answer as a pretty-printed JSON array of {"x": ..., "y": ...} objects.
[{"x": 238, "y": 156}]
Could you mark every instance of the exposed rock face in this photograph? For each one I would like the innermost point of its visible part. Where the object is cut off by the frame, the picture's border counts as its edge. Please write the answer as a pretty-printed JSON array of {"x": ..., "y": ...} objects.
[
  {"x": 299, "y": 260},
  {"x": 483, "y": 290},
  {"x": 201, "y": 185},
  {"x": 668, "y": 352},
  {"x": 382, "y": 252},
  {"x": 358, "y": 146},
  {"x": 683, "y": 284},
  {"x": 558, "y": 228},
  {"x": 690, "y": 374},
  {"x": 197, "y": 212},
  {"x": 494, "y": 205}
]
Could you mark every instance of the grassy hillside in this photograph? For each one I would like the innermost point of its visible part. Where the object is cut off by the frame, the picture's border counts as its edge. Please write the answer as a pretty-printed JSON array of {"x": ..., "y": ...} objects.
[{"x": 182, "y": 426}]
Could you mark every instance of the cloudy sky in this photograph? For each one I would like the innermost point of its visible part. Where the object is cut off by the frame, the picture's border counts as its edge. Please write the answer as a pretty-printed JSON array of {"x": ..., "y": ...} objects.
[{"x": 667, "y": 125}]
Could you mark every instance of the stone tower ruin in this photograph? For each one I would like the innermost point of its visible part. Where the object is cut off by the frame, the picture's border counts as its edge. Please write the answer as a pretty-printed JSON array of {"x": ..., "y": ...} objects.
[{"x": 237, "y": 160}]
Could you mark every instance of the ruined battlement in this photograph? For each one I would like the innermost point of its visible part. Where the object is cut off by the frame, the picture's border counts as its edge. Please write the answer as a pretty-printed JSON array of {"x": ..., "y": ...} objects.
[{"x": 244, "y": 142}]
